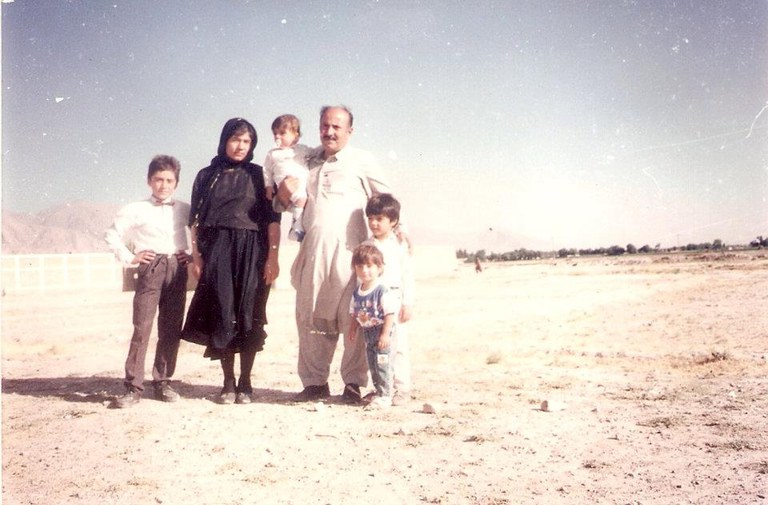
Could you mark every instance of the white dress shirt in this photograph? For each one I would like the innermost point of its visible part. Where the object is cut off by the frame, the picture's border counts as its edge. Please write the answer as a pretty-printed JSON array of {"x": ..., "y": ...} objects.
[{"x": 149, "y": 225}]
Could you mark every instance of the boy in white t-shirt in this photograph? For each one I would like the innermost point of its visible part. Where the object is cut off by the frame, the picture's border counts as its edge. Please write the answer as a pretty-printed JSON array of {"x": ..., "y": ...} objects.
[
  {"x": 383, "y": 212},
  {"x": 289, "y": 158}
]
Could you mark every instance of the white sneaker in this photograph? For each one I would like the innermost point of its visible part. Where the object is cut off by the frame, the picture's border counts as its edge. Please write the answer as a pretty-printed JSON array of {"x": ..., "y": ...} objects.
[{"x": 380, "y": 403}]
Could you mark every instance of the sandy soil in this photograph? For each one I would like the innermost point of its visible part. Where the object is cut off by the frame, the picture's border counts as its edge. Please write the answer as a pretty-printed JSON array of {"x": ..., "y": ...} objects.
[{"x": 654, "y": 369}]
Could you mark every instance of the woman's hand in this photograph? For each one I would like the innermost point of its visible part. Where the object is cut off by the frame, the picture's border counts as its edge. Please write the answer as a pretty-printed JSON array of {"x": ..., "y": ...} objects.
[
  {"x": 272, "y": 267},
  {"x": 197, "y": 266}
]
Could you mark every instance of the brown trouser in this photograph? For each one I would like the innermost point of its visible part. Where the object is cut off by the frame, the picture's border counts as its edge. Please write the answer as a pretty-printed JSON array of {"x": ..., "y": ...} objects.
[{"x": 161, "y": 288}]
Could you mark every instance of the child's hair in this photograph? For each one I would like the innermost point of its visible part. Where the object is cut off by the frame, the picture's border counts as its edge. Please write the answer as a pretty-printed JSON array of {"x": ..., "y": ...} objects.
[
  {"x": 367, "y": 253},
  {"x": 287, "y": 122},
  {"x": 383, "y": 204},
  {"x": 164, "y": 162}
]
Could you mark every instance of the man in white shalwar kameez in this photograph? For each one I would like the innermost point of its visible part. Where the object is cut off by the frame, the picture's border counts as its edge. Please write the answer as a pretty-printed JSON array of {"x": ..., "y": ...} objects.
[{"x": 341, "y": 179}]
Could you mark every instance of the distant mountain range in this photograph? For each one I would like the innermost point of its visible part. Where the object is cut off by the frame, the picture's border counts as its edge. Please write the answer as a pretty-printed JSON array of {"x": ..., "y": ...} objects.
[
  {"x": 79, "y": 226},
  {"x": 73, "y": 227}
]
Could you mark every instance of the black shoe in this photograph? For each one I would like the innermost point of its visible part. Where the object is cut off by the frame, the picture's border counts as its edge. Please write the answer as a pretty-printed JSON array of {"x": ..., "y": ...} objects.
[
  {"x": 313, "y": 393},
  {"x": 165, "y": 393},
  {"x": 129, "y": 399},
  {"x": 351, "y": 394}
]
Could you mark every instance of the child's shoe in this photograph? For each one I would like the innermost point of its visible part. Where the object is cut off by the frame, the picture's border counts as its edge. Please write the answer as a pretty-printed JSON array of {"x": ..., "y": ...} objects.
[
  {"x": 399, "y": 399},
  {"x": 379, "y": 403},
  {"x": 296, "y": 232},
  {"x": 296, "y": 235}
]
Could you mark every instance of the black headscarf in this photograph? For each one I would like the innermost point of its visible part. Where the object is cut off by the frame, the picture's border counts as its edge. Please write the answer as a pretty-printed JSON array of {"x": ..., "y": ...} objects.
[{"x": 232, "y": 127}]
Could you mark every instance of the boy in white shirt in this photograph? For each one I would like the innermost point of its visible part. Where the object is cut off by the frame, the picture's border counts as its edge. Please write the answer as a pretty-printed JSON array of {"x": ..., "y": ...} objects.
[
  {"x": 151, "y": 234},
  {"x": 383, "y": 212},
  {"x": 289, "y": 158}
]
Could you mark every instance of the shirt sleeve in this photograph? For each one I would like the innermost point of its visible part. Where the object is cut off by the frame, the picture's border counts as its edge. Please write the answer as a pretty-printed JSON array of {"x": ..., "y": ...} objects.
[
  {"x": 116, "y": 237},
  {"x": 377, "y": 181},
  {"x": 389, "y": 303},
  {"x": 269, "y": 170},
  {"x": 408, "y": 282}
]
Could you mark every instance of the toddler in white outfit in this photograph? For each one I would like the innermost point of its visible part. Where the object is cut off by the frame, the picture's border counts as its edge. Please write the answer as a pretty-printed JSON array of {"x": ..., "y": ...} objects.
[{"x": 288, "y": 159}]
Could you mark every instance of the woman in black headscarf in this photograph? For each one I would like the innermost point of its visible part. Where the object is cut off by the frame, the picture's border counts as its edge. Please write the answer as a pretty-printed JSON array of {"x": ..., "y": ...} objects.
[{"x": 235, "y": 240}]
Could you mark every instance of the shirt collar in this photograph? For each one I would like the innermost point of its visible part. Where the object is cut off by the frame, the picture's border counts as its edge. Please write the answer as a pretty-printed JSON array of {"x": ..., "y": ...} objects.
[{"x": 167, "y": 201}]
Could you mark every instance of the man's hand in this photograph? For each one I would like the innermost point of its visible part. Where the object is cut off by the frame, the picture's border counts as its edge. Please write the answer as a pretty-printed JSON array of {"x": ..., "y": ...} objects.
[
  {"x": 352, "y": 333},
  {"x": 406, "y": 312},
  {"x": 403, "y": 237},
  {"x": 286, "y": 189}
]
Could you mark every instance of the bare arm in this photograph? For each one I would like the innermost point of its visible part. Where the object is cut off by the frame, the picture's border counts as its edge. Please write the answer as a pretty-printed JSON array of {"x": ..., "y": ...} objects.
[
  {"x": 197, "y": 259},
  {"x": 272, "y": 267},
  {"x": 386, "y": 329}
]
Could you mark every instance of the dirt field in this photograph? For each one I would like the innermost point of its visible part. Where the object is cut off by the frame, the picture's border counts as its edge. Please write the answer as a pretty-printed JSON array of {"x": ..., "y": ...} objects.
[{"x": 654, "y": 368}]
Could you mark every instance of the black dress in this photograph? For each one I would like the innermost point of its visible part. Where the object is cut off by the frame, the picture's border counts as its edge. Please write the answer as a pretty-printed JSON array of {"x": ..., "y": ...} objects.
[{"x": 232, "y": 213}]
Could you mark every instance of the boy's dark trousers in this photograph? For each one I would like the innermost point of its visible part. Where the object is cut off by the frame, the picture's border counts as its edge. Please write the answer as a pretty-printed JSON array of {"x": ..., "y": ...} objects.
[{"x": 161, "y": 287}]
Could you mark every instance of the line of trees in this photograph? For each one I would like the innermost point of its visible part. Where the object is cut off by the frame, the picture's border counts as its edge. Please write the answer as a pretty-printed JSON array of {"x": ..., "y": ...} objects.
[{"x": 614, "y": 250}]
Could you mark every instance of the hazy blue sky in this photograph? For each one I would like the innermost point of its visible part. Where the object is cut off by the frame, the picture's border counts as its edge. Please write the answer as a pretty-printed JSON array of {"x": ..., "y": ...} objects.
[{"x": 521, "y": 123}]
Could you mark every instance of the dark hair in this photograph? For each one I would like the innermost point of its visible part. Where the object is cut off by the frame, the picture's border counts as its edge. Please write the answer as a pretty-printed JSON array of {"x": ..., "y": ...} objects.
[
  {"x": 287, "y": 121},
  {"x": 237, "y": 126},
  {"x": 383, "y": 204},
  {"x": 325, "y": 109},
  {"x": 367, "y": 253},
  {"x": 164, "y": 162}
]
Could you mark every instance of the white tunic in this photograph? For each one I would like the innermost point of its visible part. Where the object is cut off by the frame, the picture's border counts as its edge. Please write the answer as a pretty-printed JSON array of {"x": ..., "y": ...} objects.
[{"x": 335, "y": 223}]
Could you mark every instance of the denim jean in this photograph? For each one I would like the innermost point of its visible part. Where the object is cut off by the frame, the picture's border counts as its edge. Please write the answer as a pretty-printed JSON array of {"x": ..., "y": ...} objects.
[{"x": 379, "y": 362}]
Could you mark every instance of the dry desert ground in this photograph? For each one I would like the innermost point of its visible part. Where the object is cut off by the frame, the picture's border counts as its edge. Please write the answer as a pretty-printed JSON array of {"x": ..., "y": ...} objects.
[{"x": 654, "y": 370}]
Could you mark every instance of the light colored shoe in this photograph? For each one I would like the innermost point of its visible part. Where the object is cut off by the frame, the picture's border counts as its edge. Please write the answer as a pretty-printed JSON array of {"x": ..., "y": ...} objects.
[
  {"x": 165, "y": 393},
  {"x": 380, "y": 403},
  {"x": 297, "y": 235},
  {"x": 243, "y": 398},
  {"x": 399, "y": 399},
  {"x": 129, "y": 399},
  {"x": 226, "y": 397}
]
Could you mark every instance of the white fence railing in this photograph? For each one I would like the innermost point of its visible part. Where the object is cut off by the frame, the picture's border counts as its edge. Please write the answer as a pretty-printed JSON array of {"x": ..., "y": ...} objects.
[
  {"x": 50, "y": 272},
  {"x": 29, "y": 273}
]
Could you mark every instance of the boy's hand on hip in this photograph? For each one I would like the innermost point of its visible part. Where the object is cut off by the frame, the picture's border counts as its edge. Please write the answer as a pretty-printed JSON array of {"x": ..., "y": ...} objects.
[
  {"x": 143, "y": 257},
  {"x": 183, "y": 258}
]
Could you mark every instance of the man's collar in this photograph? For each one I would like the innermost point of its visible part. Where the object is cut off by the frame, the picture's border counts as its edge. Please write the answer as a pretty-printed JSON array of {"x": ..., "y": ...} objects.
[{"x": 319, "y": 153}]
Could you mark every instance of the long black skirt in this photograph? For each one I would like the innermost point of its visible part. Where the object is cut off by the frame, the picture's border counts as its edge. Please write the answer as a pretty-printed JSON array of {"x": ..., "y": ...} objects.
[{"x": 221, "y": 313}]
